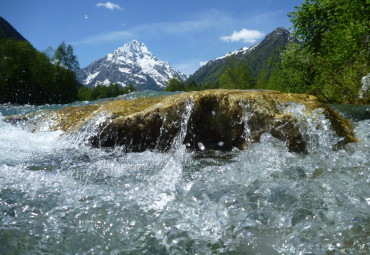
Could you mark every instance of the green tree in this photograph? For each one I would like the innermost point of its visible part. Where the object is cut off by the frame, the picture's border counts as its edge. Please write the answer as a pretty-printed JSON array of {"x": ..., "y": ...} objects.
[
  {"x": 295, "y": 73},
  {"x": 237, "y": 76},
  {"x": 175, "y": 85},
  {"x": 84, "y": 94},
  {"x": 130, "y": 88},
  {"x": 210, "y": 85},
  {"x": 335, "y": 34},
  {"x": 64, "y": 56},
  {"x": 100, "y": 92},
  {"x": 191, "y": 86},
  {"x": 319, "y": 23}
]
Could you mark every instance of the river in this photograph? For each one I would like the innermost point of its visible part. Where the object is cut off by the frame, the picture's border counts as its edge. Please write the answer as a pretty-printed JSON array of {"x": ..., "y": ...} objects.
[{"x": 60, "y": 196}]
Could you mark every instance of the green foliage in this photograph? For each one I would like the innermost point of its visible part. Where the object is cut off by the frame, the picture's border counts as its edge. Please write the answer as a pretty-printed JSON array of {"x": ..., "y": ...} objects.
[
  {"x": 335, "y": 51},
  {"x": 236, "y": 76},
  {"x": 64, "y": 56},
  {"x": 321, "y": 23},
  {"x": 191, "y": 86},
  {"x": 295, "y": 72},
  {"x": 209, "y": 85},
  {"x": 262, "y": 79},
  {"x": 27, "y": 76},
  {"x": 99, "y": 92},
  {"x": 175, "y": 85}
]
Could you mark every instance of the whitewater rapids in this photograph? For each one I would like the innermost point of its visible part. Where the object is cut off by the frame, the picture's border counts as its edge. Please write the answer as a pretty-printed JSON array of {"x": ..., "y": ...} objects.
[{"x": 60, "y": 196}]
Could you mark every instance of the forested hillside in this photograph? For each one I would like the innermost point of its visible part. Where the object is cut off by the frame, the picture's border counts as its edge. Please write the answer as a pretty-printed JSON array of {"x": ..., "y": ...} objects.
[
  {"x": 27, "y": 76},
  {"x": 257, "y": 60}
]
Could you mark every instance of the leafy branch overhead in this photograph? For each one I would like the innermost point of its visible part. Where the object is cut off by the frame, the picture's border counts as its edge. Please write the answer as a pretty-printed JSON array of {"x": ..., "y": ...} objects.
[{"x": 334, "y": 55}]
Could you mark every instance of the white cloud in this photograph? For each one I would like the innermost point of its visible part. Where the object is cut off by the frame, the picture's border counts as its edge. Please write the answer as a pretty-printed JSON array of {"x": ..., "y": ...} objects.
[
  {"x": 109, "y": 5},
  {"x": 244, "y": 35}
]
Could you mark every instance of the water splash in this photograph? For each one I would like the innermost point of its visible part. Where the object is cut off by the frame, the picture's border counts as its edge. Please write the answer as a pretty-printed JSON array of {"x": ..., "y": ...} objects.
[
  {"x": 62, "y": 197},
  {"x": 185, "y": 116},
  {"x": 315, "y": 127},
  {"x": 91, "y": 128},
  {"x": 19, "y": 145},
  {"x": 246, "y": 119}
]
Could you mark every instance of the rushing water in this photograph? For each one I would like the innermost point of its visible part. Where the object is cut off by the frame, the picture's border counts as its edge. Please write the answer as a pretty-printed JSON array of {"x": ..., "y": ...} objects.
[{"x": 60, "y": 196}]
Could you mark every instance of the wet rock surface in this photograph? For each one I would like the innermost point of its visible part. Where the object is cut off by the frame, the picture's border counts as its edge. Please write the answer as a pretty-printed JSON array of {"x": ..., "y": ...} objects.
[{"x": 212, "y": 119}]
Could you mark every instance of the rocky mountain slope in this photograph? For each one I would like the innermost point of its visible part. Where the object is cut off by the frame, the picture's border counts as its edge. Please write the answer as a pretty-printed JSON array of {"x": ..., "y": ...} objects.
[{"x": 131, "y": 63}]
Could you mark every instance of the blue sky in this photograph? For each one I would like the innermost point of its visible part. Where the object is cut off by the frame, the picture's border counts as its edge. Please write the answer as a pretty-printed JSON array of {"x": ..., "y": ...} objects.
[{"x": 183, "y": 33}]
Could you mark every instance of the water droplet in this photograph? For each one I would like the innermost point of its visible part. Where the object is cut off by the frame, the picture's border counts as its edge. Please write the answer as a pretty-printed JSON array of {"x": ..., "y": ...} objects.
[
  {"x": 201, "y": 146},
  {"x": 221, "y": 144}
]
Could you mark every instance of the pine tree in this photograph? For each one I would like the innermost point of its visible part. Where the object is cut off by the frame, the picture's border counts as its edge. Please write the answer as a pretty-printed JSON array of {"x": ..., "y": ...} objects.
[{"x": 64, "y": 56}]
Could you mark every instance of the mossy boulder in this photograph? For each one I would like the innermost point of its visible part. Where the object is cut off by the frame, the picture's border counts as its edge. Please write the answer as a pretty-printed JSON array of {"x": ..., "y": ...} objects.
[{"x": 211, "y": 119}]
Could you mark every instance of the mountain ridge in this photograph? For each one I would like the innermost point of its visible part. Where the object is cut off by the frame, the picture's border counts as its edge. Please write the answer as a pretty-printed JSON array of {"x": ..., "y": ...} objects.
[
  {"x": 7, "y": 30},
  {"x": 258, "y": 57}
]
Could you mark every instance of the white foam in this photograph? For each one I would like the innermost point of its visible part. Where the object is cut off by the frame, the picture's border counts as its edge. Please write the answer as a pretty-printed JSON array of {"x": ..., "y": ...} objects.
[{"x": 19, "y": 145}]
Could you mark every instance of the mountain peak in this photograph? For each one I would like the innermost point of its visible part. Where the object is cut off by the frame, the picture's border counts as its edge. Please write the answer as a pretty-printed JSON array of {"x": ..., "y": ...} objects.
[
  {"x": 278, "y": 32},
  {"x": 135, "y": 45},
  {"x": 133, "y": 49},
  {"x": 131, "y": 63}
]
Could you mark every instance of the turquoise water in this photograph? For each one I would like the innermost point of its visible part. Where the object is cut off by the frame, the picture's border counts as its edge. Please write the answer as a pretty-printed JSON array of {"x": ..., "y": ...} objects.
[{"x": 60, "y": 196}]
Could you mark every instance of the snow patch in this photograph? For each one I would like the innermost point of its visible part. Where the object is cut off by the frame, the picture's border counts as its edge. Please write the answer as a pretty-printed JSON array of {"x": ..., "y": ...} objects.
[
  {"x": 202, "y": 63},
  {"x": 251, "y": 48},
  {"x": 106, "y": 83},
  {"x": 124, "y": 70},
  {"x": 243, "y": 51},
  {"x": 91, "y": 77}
]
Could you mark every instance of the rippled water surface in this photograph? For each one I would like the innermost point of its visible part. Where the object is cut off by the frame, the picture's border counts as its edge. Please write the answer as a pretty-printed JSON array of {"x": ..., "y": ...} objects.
[{"x": 59, "y": 196}]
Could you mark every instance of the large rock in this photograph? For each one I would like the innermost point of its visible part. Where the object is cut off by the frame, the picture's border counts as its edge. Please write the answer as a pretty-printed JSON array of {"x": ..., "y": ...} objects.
[
  {"x": 212, "y": 119},
  {"x": 365, "y": 81}
]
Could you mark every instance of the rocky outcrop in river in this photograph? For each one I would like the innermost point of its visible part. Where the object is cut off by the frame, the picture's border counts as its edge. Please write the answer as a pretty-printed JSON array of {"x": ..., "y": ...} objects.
[
  {"x": 212, "y": 119},
  {"x": 365, "y": 81}
]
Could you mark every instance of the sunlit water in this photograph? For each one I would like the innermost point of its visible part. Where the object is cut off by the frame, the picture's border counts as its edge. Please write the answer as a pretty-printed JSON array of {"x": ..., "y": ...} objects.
[{"x": 60, "y": 196}]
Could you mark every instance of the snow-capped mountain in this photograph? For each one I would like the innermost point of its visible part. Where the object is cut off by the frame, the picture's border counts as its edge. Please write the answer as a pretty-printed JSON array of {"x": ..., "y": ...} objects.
[{"x": 131, "y": 63}]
